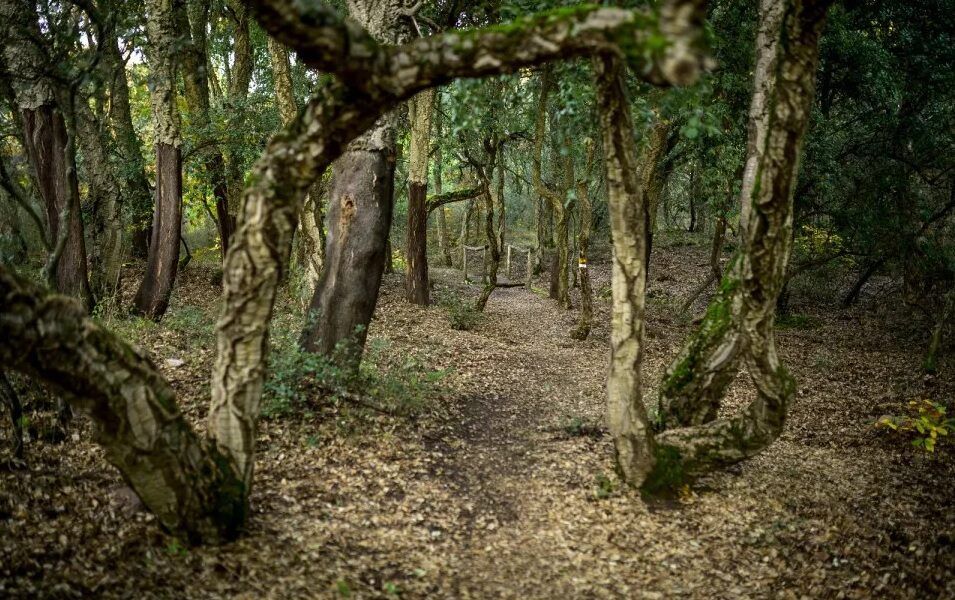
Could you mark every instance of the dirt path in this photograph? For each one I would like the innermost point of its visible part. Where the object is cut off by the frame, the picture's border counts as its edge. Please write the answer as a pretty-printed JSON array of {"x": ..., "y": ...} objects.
[{"x": 507, "y": 490}]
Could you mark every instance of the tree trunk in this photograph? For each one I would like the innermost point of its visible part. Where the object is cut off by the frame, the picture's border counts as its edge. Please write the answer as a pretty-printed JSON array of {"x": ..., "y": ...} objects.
[
  {"x": 444, "y": 234},
  {"x": 740, "y": 321},
  {"x": 48, "y": 147},
  {"x": 559, "y": 289},
  {"x": 585, "y": 213},
  {"x": 194, "y": 58},
  {"x": 312, "y": 217},
  {"x": 9, "y": 398},
  {"x": 359, "y": 221},
  {"x": 106, "y": 201},
  {"x": 241, "y": 78},
  {"x": 179, "y": 476},
  {"x": 416, "y": 272},
  {"x": 138, "y": 194},
  {"x": 152, "y": 298},
  {"x": 626, "y": 415}
]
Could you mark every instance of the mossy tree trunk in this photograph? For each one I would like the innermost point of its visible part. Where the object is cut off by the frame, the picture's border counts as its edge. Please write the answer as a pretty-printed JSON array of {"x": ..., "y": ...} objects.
[{"x": 739, "y": 322}]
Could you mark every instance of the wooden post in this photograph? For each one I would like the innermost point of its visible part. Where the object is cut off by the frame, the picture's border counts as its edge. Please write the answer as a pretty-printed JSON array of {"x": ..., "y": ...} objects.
[
  {"x": 530, "y": 266},
  {"x": 507, "y": 269}
]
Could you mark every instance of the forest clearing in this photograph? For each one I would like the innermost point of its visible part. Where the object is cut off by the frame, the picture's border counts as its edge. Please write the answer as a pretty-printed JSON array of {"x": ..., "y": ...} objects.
[{"x": 385, "y": 299}]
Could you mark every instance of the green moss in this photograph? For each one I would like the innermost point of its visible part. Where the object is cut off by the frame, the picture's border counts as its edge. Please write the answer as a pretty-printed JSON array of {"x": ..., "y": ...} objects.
[
  {"x": 667, "y": 475},
  {"x": 715, "y": 324}
]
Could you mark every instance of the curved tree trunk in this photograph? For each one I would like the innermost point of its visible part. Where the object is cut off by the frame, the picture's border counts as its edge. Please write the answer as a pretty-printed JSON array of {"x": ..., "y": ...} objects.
[
  {"x": 740, "y": 320},
  {"x": 152, "y": 298},
  {"x": 179, "y": 476}
]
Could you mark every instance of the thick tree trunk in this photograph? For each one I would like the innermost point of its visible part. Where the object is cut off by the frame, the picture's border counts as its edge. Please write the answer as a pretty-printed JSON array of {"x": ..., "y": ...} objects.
[
  {"x": 178, "y": 475},
  {"x": 416, "y": 272},
  {"x": 152, "y": 298},
  {"x": 106, "y": 201},
  {"x": 626, "y": 415},
  {"x": 359, "y": 221}
]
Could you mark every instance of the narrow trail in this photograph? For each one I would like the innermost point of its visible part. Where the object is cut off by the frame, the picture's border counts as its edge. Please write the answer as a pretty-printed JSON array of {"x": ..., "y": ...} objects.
[{"x": 505, "y": 487}]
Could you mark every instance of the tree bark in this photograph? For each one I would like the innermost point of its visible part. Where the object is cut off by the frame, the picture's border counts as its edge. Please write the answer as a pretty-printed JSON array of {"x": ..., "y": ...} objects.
[
  {"x": 626, "y": 415},
  {"x": 360, "y": 206},
  {"x": 416, "y": 272},
  {"x": 106, "y": 200},
  {"x": 178, "y": 475},
  {"x": 152, "y": 298},
  {"x": 312, "y": 217}
]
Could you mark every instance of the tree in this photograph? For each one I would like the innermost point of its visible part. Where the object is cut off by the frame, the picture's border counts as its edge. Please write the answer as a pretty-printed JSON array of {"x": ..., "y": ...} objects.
[
  {"x": 152, "y": 298},
  {"x": 416, "y": 273},
  {"x": 49, "y": 144},
  {"x": 360, "y": 200},
  {"x": 739, "y": 322}
]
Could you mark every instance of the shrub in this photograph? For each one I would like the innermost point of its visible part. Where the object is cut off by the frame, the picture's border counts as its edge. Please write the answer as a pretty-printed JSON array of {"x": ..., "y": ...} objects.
[
  {"x": 462, "y": 316},
  {"x": 925, "y": 423}
]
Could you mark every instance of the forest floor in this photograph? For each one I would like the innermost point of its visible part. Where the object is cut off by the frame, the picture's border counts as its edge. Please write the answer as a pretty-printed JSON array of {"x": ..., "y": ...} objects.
[{"x": 502, "y": 486}]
